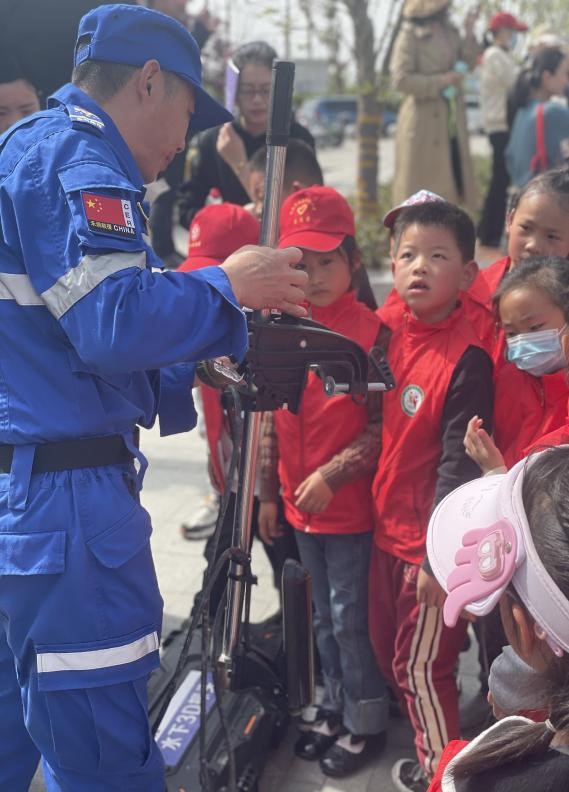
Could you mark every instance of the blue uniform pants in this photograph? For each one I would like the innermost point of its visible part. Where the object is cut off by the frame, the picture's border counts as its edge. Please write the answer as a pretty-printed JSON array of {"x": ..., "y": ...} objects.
[{"x": 80, "y": 617}]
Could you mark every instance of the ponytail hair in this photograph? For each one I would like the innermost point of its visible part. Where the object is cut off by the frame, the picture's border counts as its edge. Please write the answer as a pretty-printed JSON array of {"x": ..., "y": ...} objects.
[
  {"x": 360, "y": 281},
  {"x": 530, "y": 77},
  {"x": 550, "y": 274},
  {"x": 545, "y": 495}
]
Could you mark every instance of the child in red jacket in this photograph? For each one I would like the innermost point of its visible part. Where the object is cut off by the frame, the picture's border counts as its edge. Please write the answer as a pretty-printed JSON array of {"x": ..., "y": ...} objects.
[
  {"x": 538, "y": 225},
  {"x": 475, "y": 312},
  {"x": 442, "y": 375},
  {"x": 533, "y": 304},
  {"x": 217, "y": 231},
  {"x": 326, "y": 456}
]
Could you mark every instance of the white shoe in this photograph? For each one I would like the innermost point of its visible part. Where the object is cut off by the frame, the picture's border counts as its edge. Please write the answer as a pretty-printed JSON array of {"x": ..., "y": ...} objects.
[{"x": 202, "y": 523}]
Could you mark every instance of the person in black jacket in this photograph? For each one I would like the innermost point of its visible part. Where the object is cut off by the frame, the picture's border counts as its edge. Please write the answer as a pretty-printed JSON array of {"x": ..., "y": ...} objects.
[
  {"x": 202, "y": 26},
  {"x": 219, "y": 157}
]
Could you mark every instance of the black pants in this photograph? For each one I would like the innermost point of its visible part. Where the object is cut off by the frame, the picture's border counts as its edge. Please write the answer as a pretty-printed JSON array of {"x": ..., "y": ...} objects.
[
  {"x": 491, "y": 226},
  {"x": 456, "y": 164},
  {"x": 283, "y": 547}
]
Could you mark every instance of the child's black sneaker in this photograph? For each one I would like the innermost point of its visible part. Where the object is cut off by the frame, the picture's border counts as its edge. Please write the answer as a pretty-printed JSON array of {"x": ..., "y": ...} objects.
[
  {"x": 408, "y": 776},
  {"x": 351, "y": 752},
  {"x": 322, "y": 735}
]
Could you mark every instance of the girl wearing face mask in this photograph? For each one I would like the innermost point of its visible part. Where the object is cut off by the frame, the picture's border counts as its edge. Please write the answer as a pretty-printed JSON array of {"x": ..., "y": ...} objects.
[
  {"x": 538, "y": 225},
  {"x": 531, "y": 388},
  {"x": 498, "y": 72}
]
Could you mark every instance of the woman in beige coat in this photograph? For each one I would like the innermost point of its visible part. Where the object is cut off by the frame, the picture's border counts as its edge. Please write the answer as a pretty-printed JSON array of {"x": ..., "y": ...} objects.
[{"x": 431, "y": 147}]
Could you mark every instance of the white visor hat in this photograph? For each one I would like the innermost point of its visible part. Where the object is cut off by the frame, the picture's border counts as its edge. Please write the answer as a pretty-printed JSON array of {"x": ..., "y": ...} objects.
[{"x": 479, "y": 541}]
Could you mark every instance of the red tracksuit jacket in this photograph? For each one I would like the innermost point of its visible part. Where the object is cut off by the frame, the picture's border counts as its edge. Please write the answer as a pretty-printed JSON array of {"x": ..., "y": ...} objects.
[
  {"x": 418, "y": 451},
  {"x": 526, "y": 407},
  {"x": 559, "y": 436},
  {"x": 214, "y": 420},
  {"x": 324, "y": 427},
  {"x": 475, "y": 310},
  {"x": 481, "y": 293}
]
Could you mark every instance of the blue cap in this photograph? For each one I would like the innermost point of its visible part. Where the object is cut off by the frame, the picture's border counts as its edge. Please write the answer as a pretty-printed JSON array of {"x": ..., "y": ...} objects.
[{"x": 132, "y": 34}]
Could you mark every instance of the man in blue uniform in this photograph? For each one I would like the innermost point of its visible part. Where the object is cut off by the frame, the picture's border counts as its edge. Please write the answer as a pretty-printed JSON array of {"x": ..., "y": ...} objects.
[{"x": 92, "y": 343}]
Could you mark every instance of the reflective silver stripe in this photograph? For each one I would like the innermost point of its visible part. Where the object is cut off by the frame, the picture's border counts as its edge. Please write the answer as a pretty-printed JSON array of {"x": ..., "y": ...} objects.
[
  {"x": 97, "y": 658},
  {"x": 18, "y": 288},
  {"x": 82, "y": 279}
]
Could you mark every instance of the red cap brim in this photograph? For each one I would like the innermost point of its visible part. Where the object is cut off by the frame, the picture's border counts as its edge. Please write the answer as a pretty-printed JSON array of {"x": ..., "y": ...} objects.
[{"x": 312, "y": 240}]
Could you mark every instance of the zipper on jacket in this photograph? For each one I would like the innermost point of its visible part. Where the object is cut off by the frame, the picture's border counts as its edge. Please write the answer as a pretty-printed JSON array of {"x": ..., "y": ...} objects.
[{"x": 302, "y": 465}]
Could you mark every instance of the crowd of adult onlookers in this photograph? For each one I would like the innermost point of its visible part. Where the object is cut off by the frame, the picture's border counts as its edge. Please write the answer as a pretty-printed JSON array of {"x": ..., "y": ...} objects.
[{"x": 523, "y": 101}]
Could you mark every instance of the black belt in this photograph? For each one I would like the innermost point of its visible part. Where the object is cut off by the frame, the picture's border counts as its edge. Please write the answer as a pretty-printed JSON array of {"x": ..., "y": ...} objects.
[{"x": 73, "y": 454}]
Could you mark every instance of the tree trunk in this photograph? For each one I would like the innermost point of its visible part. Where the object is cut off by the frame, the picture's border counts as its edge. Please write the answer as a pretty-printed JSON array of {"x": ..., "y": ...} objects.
[
  {"x": 369, "y": 116},
  {"x": 306, "y": 8},
  {"x": 330, "y": 38}
]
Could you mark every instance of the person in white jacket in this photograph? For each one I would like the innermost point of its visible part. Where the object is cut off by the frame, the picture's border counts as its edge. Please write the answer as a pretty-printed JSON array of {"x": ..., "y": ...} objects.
[{"x": 498, "y": 73}]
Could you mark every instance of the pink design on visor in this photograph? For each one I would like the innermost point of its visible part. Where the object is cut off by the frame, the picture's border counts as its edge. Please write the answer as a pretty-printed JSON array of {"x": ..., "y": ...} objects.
[{"x": 485, "y": 563}]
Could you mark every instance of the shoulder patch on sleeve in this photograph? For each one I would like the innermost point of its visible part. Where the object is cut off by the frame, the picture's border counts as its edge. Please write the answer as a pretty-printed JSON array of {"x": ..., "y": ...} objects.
[
  {"x": 107, "y": 215},
  {"x": 103, "y": 203},
  {"x": 81, "y": 116}
]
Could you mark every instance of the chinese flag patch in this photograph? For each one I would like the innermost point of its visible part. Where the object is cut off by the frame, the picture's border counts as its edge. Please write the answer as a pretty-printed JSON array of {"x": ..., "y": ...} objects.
[{"x": 107, "y": 215}]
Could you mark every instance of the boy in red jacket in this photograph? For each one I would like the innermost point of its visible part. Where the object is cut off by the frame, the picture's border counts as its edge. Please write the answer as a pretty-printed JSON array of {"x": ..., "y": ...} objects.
[
  {"x": 443, "y": 377},
  {"x": 215, "y": 232}
]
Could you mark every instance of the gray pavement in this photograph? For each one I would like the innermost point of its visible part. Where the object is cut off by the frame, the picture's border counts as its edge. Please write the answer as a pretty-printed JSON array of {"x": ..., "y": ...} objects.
[{"x": 339, "y": 164}]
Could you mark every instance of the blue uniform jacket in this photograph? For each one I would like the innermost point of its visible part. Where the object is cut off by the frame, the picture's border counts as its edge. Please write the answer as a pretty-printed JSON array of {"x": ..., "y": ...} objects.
[{"x": 89, "y": 332}]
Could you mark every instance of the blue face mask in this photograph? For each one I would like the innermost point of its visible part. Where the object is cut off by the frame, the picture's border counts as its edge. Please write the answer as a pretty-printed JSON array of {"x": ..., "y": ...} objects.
[{"x": 537, "y": 353}]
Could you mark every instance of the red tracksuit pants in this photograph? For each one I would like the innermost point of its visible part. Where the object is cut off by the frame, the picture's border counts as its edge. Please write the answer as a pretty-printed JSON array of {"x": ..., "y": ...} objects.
[{"x": 416, "y": 653}]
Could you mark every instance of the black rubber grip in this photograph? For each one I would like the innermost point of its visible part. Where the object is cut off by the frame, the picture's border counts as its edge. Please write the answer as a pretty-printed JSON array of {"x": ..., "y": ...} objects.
[
  {"x": 298, "y": 635},
  {"x": 280, "y": 114}
]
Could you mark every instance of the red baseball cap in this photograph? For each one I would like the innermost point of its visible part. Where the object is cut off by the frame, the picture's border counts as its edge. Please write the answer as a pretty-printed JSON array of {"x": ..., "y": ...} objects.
[
  {"x": 505, "y": 20},
  {"x": 216, "y": 232},
  {"x": 318, "y": 218}
]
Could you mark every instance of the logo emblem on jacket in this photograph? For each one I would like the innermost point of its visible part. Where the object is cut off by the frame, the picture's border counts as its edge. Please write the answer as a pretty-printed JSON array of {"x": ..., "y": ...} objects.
[{"x": 411, "y": 399}]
